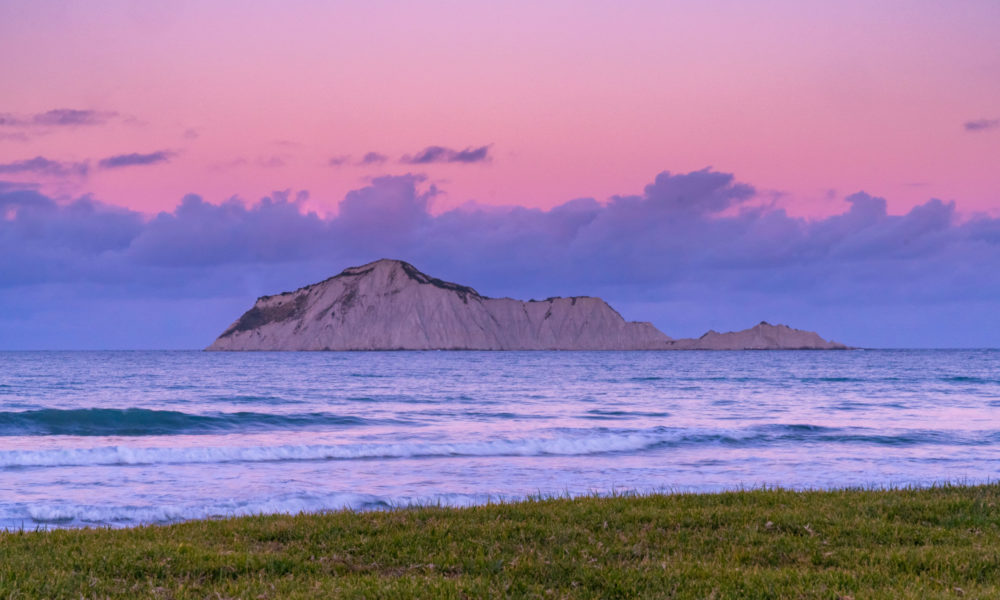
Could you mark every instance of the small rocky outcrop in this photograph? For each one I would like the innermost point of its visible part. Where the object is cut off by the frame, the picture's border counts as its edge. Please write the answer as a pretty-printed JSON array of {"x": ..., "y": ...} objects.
[{"x": 762, "y": 336}]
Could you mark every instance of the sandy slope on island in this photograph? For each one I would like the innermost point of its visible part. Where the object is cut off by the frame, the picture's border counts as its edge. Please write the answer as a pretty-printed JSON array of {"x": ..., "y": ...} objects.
[{"x": 390, "y": 305}]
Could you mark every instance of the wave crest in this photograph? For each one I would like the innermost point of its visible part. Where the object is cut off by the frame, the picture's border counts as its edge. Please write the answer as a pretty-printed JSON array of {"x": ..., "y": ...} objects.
[
  {"x": 572, "y": 443},
  {"x": 143, "y": 422}
]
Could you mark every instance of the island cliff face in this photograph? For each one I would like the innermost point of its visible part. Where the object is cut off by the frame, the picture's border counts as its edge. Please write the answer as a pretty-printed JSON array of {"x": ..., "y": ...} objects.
[{"x": 390, "y": 305}]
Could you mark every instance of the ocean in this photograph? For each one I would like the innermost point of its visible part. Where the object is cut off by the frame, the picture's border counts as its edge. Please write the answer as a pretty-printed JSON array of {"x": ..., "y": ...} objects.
[{"x": 130, "y": 438}]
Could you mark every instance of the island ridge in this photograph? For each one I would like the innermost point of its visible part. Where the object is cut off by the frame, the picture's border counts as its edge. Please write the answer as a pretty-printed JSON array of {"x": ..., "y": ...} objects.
[{"x": 390, "y": 305}]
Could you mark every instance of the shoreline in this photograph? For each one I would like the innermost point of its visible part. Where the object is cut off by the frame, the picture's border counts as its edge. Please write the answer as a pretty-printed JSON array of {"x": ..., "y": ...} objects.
[
  {"x": 459, "y": 502},
  {"x": 939, "y": 541}
]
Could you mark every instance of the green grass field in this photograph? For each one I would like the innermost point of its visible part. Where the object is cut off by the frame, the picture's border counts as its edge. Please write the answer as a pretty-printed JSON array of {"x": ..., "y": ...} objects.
[{"x": 933, "y": 543}]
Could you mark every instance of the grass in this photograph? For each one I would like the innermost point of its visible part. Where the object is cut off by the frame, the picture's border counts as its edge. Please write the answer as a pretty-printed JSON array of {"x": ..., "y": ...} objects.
[{"x": 932, "y": 543}]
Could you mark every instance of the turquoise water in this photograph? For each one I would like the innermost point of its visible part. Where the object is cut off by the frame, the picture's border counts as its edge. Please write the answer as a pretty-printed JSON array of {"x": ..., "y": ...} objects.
[{"x": 128, "y": 438}]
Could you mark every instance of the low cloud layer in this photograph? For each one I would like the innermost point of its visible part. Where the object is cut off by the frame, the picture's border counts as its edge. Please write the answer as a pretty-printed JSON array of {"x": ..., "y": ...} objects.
[{"x": 689, "y": 253}]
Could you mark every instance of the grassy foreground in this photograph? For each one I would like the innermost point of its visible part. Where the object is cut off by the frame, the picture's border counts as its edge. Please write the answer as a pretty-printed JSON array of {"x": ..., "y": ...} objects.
[{"x": 934, "y": 543}]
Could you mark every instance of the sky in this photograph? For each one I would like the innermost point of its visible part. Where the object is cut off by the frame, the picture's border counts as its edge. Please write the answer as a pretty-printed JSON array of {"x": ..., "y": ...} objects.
[{"x": 710, "y": 164}]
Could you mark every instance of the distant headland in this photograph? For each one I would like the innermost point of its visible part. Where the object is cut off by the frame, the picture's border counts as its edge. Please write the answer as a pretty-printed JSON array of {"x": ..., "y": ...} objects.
[{"x": 390, "y": 305}]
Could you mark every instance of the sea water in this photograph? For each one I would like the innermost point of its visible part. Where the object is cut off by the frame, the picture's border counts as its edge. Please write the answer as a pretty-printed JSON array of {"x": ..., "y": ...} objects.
[{"x": 129, "y": 438}]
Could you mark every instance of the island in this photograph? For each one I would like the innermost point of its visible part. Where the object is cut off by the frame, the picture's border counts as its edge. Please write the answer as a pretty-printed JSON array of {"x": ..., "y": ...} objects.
[{"x": 390, "y": 305}]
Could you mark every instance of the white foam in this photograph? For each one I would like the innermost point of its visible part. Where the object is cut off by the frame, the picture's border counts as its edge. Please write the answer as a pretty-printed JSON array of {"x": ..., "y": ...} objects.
[
  {"x": 130, "y": 455},
  {"x": 61, "y": 514}
]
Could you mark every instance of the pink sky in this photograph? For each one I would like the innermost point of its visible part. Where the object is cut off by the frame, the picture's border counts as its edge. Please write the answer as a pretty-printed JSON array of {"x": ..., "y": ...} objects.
[{"x": 809, "y": 100}]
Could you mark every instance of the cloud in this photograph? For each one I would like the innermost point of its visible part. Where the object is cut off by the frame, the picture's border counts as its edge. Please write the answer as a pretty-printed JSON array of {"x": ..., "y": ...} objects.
[
  {"x": 16, "y": 136},
  {"x": 66, "y": 117},
  {"x": 198, "y": 233},
  {"x": 440, "y": 154},
  {"x": 272, "y": 162},
  {"x": 11, "y": 186},
  {"x": 981, "y": 125},
  {"x": 43, "y": 241},
  {"x": 239, "y": 161},
  {"x": 45, "y": 167},
  {"x": 338, "y": 161},
  {"x": 373, "y": 158},
  {"x": 472, "y": 155},
  {"x": 389, "y": 215},
  {"x": 60, "y": 117},
  {"x": 135, "y": 159},
  {"x": 693, "y": 251}
]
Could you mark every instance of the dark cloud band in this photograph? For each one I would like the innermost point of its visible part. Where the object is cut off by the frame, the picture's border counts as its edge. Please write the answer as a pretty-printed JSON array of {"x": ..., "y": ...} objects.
[
  {"x": 135, "y": 159},
  {"x": 440, "y": 154}
]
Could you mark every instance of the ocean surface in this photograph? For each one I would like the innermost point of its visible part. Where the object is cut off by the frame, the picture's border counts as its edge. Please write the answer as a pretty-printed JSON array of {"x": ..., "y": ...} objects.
[{"x": 129, "y": 438}]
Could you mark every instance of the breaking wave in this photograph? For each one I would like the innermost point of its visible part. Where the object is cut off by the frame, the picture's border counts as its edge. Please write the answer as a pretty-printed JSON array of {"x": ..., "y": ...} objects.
[
  {"x": 602, "y": 441},
  {"x": 65, "y": 514},
  {"x": 142, "y": 422}
]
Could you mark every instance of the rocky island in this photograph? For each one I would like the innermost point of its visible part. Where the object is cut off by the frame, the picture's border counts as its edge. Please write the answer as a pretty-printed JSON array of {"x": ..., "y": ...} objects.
[
  {"x": 762, "y": 336},
  {"x": 390, "y": 305}
]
